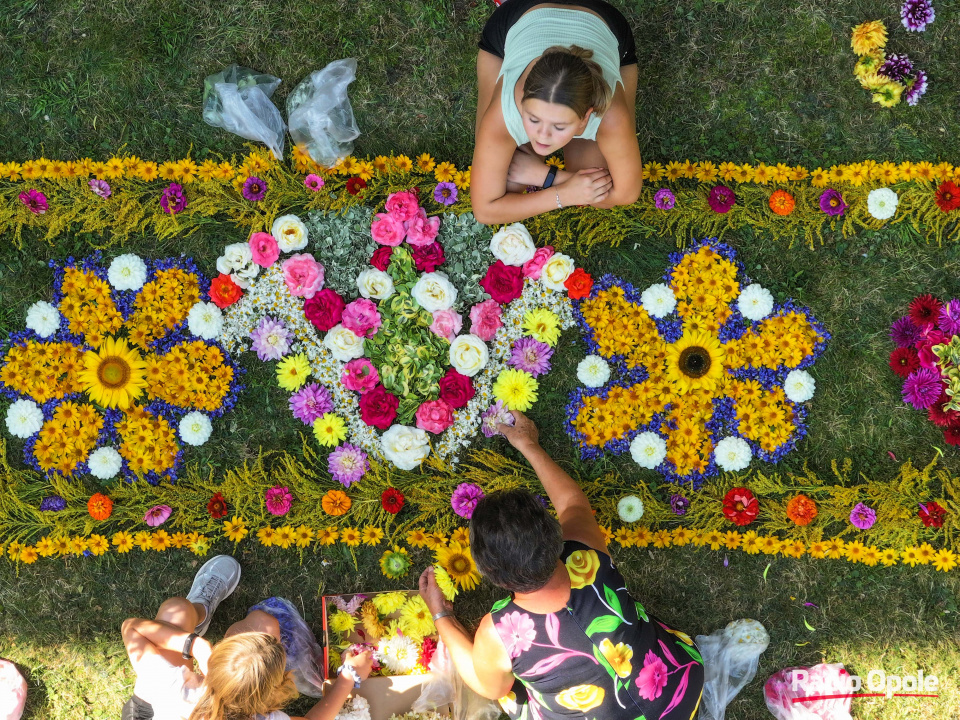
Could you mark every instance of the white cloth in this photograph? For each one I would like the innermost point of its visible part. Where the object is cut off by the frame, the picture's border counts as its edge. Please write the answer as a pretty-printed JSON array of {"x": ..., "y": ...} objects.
[{"x": 174, "y": 690}]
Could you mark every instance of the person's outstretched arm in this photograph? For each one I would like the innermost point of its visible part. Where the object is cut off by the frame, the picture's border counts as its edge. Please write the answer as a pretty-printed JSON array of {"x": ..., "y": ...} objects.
[
  {"x": 335, "y": 697},
  {"x": 573, "y": 509}
]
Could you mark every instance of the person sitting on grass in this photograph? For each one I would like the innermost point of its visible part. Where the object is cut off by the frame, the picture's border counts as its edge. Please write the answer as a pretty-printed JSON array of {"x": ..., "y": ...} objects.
[
  {"x": 570, "y": 641},
  {"x": 551, "y": 76},
  {"x": 243, "y": 677}
]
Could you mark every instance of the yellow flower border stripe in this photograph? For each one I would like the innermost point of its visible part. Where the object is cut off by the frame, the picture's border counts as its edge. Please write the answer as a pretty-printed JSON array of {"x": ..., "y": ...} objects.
[{"x": 214, "y": 190}]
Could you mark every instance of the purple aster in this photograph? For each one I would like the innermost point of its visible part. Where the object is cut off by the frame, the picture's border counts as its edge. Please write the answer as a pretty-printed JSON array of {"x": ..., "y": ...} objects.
[
  {"x": 905, "y": 332},
  {"x": 347, "y": 464},
  {"x": 310, "y": 402},
  {"x": 949, "y": 320},
  {"x": 254, "y": 189},
  {"x": 271, "y": 339},
  {"x": 896, "y": 67},
  {"x": 917, "y": 14},
  {"x": 445, "y": 193},
  {"x": 531, "y": 356},
  {"x": 831, "y": 202},
  {"x": 53, "y": 503},
  {"x": 173, "y": 199},
  {"x": 664, "y": 199},
  {"x": 101, "y": 188},
  {"x": 679, "y": 504},
  {"x": 922, "y": 388},
  {"x": 917, "y": 88},
  {"x": 465, "y": 498},
  {"x": 494, "y": 415},
  {"x": 863, "y": 517}
]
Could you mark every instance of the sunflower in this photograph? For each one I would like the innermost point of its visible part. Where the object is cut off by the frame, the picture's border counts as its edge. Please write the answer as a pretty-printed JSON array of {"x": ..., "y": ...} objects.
[
  {"x": 115, "y": 375},
  {"x": 458, "y": 562},
  {"x": 695, "y": 362}
]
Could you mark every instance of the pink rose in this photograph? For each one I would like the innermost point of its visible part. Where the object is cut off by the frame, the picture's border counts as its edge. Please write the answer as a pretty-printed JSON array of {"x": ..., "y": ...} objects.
[
  {"x": 422, "y": 230},
  {"x": 503, "y": 282},
  {"x": 403, "y": 205},
  {"x": 434, "y": 416},
  {"x": 324, "y": 309},
  {"x": 428, "y": 258},
  {"x": 264, "y": 249},
  {"x": 379, "y": 407},
  {"x": 485, "y": 319},
  {"x": 360, "y": 375},
  {"x": 362, "y": 317},
  {"x": 381, "y": 257},
  {"x": 455, "y": 389},
  {"x": 446, "y": 324},
  {"x": 387, "y": 230},
  {"x": 303, "y": 275},
  {"x": 533, "y": 266}
]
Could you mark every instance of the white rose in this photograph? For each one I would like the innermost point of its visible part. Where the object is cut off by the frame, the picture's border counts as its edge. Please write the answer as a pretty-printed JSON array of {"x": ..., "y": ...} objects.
[
  {"x": 755, "y": 302},
  {"x": 235, "y": 257},
  {"x": 658, "y": 300},
  {"x": 405, "y": 446},
  {"x": 43, "y": 318},
  {"x": 127, "y": 272},
  {"x": 434, "y": 292},
  {"x": 558, "y": 268},
  {"x": 245, "y": 275},
  {"x": 882, "y": 203},
  {"x": 375, "y": 284},
  {"x": 290, "y": 233},
  {"x": 799, "y": 386},
  {"x": 648, "y": 450},
  {"x": 513, "y": 245},
  {"x": 344, "y": 344},
  {"x": 468, "y": 355},
  {"x": 732, "y": 454}
]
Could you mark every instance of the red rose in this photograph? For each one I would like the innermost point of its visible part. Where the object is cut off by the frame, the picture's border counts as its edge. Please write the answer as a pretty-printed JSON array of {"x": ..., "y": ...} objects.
[
  {"x": 948, "y": 196},
  {"x": 932, "y": 514},
  {"x": 355, "y": 185},
  {"x": 503, "y": 282},
  {"x": 224, "y": 291},
  {"x": 379, "y": 407},
  {"x": 324, "y": 309},
  {"x": 392, "y": 500},
  {"x": 740, "y": 506},
  {"x": 428, "y": 258},
  {"x": 579, "y": 284},
  {"x": 381, "y": 257},
  {"x": 456, "y": 389},
  {"x": 217, "y": 507}
]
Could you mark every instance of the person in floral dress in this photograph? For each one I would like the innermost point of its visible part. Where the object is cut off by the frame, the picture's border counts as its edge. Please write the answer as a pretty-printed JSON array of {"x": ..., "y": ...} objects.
[{"x": 570, "y": 641}]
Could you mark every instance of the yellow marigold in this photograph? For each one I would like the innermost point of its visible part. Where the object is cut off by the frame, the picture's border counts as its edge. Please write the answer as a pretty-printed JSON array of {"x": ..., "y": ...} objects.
[
  {"x": 266, "y": 536},
  {"x": 160, "y": 540},
  {"x": 462, "y": 179},
  {"x": 854, "y": 551},
  {"x": 365, "y": 170},
  {"x": 732, "y": 539},
  {"x": 28, "y": 554},
  {"x": 763, "y": 174},
  {"x": 460, "y": 535},
  {"x": 148, "y": 171},
  {"x": 819, "y": 178},
  {"x": 208, "y": 170},
  {"x": 674, "y": 170},
  {"x": 795, "y": 549},
  {"x": 98, "y": 544},
  {"x": 681, "y": 536},
  {"x": 651, "y": 171},
  {"x": 818, "y": 549},
  {"x": 380, "y": 164},
  {"x": 624, "y": 537},
  {"x": 284, "y": 537},
  {"x": 911, "y": 556},
  {"x": 44, "y": 546},
  {"x": 113, "y": 168},
  {"x": 713, "y": 538},
  {"x": 662, "y": 539},
  {"x": 706, "y": 172},
  {"x": 689, "y": 169},
  {"x": 889, "y": 557},
  {"x": 61, "y": 545},
  {"x": 869, "y": 36},
  {"x": 302, "y": 536},
  {"x": 770, "y": 544}
]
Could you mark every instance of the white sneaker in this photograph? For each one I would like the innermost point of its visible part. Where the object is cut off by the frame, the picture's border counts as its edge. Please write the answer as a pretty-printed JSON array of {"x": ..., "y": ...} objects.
[{"x": 214, "y": 582}]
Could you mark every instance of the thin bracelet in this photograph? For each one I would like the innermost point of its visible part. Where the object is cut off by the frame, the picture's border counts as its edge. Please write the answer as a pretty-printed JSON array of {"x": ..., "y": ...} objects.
[
  {"x": 559, "y": 204},
  {"x": 442, "y": 614}
]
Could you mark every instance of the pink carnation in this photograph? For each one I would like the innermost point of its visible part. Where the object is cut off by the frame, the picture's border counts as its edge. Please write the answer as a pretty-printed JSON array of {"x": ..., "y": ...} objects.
[
  {"x": 388, "y": 230},
  {"x": 360, "y": 375},
  {"x": 485, "y": 319},
  {"x": 362, "y": 317},
  {"x": 422, "y": 230},
  {"x": 446, "y": 324},
  {"x": 533, "y": 266},
  {"x": 278, "y": 500},
  {"x": 403, "y": 205},
  {"x": 303, "y": 275},
  {"x": 434, "y": 416},
  {"x": 264, "y": 249}
]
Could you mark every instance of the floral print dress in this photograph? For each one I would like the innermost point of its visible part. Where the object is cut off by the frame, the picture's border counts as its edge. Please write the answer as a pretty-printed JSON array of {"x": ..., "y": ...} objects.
[{"x": 602, "y": 658}]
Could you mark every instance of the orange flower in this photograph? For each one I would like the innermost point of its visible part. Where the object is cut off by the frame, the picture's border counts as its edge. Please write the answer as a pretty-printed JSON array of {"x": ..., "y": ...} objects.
[
  {"x": 99, "y": 506},
  {"x": 801, "y": 509},
  {"x": 782, "y": 202},
  {"x": 336, "y": 502}
]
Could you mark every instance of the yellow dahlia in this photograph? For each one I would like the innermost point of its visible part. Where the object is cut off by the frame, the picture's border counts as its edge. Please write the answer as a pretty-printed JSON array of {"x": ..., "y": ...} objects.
[
  {"x": 329, "y": 430},
  {"x": 542, "y": 325},
  {"x": 415, "y": 619},
  {"x": 868, "y": 36},
  {"x": 445, "y": 582},
  {"x": 113, "y": 376},
  {"x": 516, "y": 389},
  {"x": 293, "y": 371},
  {"x": 387, "y": 603},
  {"x": 888, "y": 94}
]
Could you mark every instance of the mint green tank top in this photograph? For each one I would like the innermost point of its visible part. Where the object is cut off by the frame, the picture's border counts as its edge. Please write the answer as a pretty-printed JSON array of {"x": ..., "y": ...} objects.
[{"x": 535, "y": 32}]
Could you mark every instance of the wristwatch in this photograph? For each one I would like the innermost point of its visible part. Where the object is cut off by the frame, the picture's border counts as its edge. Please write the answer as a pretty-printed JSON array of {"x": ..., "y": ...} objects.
[
  {"x": 188, "y": 646},
  {"x": 551, "y": 176}
]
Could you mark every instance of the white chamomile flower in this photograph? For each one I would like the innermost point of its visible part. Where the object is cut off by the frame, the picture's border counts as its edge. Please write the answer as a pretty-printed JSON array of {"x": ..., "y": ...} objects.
[
  {"x": 658, "y": 300},
  {"x": 755, "y": 302},
  {"x": 43, "y": 318},
  {"x": 630, "y": 508},
  {"x": 648, "y": 450},
  {"x": 24, "y": 418},
  {"x": 127, "y": 272},
  {"x": 593, "y": 371},
  {"x": 104, "y": 463},
  {"x": 205, "y": 320},
  {"x": 799, "y": 386},
  {"x": 732, "y": 454},
  {"x": 195, "y": 428},
  {"x": 882, "y": 203}
]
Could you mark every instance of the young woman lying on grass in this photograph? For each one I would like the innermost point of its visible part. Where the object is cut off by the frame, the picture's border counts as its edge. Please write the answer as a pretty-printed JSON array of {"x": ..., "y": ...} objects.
[{"x": 552, "y": 76}]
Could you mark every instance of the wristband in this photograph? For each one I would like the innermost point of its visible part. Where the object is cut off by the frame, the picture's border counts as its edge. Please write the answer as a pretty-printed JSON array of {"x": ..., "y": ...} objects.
[
  {"x": 559, "y": 204},
  {"x": 551, "y": 176},
  {"x": 442, "y": 614},
  {"x": 351, "y": 674},
  {"x": 188, "y": 646}
]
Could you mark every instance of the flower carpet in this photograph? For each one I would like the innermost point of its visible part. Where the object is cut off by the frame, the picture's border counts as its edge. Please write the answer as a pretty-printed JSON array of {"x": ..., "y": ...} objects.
[{"x": 401, "y": 332}]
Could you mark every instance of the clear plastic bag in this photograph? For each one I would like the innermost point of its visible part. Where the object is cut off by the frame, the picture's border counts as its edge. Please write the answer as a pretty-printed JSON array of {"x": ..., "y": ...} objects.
[
  {"x": 446, "y": 687},
  {"x": 798, "y": 682},
  {"x": 238, "y": 100},
  {"x": 304, "y": 655},
  {"x": 320, "y": 116},
  {"x": 730, "y": 659},
  {"x": 13, "y": 691}
]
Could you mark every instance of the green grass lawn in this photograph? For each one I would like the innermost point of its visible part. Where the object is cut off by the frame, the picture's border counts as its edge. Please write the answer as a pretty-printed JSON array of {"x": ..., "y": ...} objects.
[{"x": 719, "y": 80}]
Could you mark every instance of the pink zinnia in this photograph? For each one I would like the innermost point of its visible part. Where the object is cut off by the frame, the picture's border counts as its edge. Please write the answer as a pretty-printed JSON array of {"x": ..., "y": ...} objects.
[
  {"x": 100, "y": 187},
  {"x": 721, "y": 199},
  {"x": 264, "y": 248},
  {"x": 652, "y": 679},
  {"x": 863, "y": 517},
  {"x": 922, "y": 388},
  {"x": 360, "y": 375},
  {"x": 157, "y": 515},
  {"x": 362, "y": 317},
  {"x": 465, "y": 498},
  {"x": 278, "y": 500},
  {"x": 314, "y": 182},
  {"x": 35, "y": 201}
]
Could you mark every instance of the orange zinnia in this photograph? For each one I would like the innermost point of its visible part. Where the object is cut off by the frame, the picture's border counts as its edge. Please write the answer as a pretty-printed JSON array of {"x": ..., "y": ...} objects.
[
  {"x": 99, "y": 506},
  {"x": 336, "y": 502},
  {"x": 782, "y": 202},
  {"x": 801, "y": 509}
]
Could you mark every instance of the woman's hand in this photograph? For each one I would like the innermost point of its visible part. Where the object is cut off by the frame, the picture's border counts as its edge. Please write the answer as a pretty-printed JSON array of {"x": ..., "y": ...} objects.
[
  {"x": 432, "y": 594},
  {"x": 523, "y": 434},
  {"x": 361, "y": 662},
  {"x": 527, "y": 169},
  {"x": 586, "y": 187}
]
